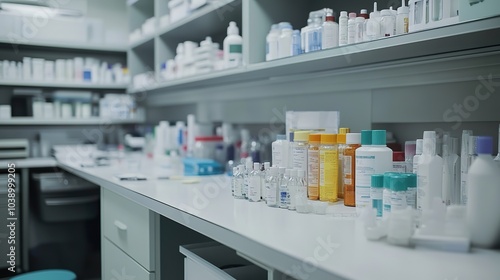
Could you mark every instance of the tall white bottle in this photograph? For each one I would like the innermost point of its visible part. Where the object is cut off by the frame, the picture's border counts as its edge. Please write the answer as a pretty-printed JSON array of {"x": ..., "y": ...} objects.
[
  {"x": 418, "y": 153},
  {"x": 483, "y": 193},
  {"x": 351, "y": 29},
  {"x": 272, "y": 43},
  {"x": 430, "y": 173},
  {"x": 343, "y": 21},
  {"x": 373, "y": 157},
  {"x": 330, "y": 37},
  {"x": 233, "y": 47},
  {"x": 285, "y": 40}
]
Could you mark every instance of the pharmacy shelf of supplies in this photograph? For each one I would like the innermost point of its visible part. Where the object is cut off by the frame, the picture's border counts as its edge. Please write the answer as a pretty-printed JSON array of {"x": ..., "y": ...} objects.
[
  {"x": 390, "y": 62},
  {"x": 77, "y": 85},
  {"x": 71, "y": 121},
  {"x": 16, "y": 43},
  {"x": 306, "y": 246},
  {"x": 145, "y": 42},
  {"x": 209, "y": 19}
]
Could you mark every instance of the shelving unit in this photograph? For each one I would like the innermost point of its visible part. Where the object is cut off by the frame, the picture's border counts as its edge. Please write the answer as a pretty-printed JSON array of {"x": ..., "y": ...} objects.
[
  {"x": 53, "y": 122},
  {"x": 43, "y": 84},
  {"x": 6, "y": 42}
]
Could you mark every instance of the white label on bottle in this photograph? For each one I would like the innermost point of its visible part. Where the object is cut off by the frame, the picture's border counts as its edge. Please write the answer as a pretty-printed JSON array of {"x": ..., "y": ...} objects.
[
  {"x": 300, "y": 157},
  {"x": 411, "y": 197},
  {"x": 254, "y": 188},
  {"x": 284, "y": 197},
  {"x": 272, "y": 191},
  {"x": 238, "y": 187},
  {"x": 398, "y": 200},
  {"x": 386, "y": 202},
  {"x": 347, "y": 170},
  {"x": 313, "y": 168},
  {"x": 365, "y": 167},
  {"x": 399, "y": 166}
]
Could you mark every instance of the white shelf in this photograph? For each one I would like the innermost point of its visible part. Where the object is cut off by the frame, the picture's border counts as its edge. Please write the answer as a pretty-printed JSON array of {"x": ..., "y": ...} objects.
[
  {"x": 331, "y": 246},
  {"x": 65, "y": 45},
  {"x": 43, "y": 84},
  {"x": 384, "y": 58},
  {"x": 144, "y": 41},
  {"x": 89, "y": 121}
]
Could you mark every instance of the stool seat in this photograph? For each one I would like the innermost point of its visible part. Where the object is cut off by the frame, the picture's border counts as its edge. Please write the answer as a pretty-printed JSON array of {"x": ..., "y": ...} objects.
[{"x": 48, "y": 274}]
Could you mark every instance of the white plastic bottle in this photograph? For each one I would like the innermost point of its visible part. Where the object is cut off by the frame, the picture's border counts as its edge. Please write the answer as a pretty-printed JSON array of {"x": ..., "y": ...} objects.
[
  {"x": 280, "y": 151},
  {"x": 360, "y": 26},
  {"x": 233, "y": 47},
  {"x": 373, "y": 157},
  {"x": 285, "y": 40},
  {"x": 330, "y": 36},
  {"x": 254, "y": 188},
  {"x": 483, "y": 193},
  {"x": 418, "y": 152},
  {"x": 430, "y": 173},
  {"x": 283, "y": 194},
  {"x": 351, "y": 29},
  {"x": 315, "y": 33},
  {"x": 388, "y": 23},
  {"x": 343, "y": 21},
  {"x": 272, "y": 43},
  {"x": 402, "y": 19},
  {"x": 372, "y": 28}
]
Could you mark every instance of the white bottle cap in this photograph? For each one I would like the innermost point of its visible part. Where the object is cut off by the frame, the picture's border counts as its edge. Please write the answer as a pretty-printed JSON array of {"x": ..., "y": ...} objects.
[
  {"x": 364, "y": 11},
  {"x": 353, "y": 138},
  {"x": 233, "y": 29},
  {"x": 419, "y": 148},
  {"x": 343, "y": 13}
]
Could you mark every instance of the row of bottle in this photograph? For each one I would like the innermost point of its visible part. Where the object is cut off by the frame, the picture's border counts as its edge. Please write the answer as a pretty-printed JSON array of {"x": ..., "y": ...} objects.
[
  {"x": 277, "y": 186},
  {"x": 322, "y": 32}
]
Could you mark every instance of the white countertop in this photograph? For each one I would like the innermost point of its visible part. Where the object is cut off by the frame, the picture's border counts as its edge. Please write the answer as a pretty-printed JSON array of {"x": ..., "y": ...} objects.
[
  {"x": 30, "y": 162},
  {"x": 289, "y": 241}
]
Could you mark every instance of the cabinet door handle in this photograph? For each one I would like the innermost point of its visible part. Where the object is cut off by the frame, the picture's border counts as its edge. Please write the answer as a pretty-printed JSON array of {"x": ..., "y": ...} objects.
[{"x": 120, "y": 225}]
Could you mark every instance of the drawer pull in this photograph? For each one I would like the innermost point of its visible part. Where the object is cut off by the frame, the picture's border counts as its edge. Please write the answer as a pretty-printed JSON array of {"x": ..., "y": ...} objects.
[{"x": 120, "y": 225}]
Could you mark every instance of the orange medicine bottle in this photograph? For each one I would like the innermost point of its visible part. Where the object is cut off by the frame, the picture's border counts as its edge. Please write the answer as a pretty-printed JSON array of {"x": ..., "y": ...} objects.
[
  {"x": 313, "y": 167},
  {"x": 353, "y": 141}
]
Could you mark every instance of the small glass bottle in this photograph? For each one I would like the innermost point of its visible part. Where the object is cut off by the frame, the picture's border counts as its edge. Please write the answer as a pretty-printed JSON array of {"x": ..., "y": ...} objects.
[
  {"x": 301, "y": 204},
  {"x": 313, "y": 166},
  {"x": 239, "y": 182},
  {"x": 254, "y": 194},
  {"x": 299, "y": 149},
  {"x": 284, "y": 196},
  {"x": 246, "y": 177},
  {"x": 398, "y": 192},
  {"x": 353, "y": 141},
  {"x": 263, "y": 175},
  {"x": 233, "y": 179},
  {"x": 272, "y": 186},
  {"x": 376, "y": 193},
  {"x": 328, "y": 168},
  {"x": 292, "y": 189}
]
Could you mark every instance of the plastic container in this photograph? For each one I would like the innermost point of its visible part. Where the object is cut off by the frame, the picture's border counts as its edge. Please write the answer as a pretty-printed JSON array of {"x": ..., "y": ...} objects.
[
  {"x": 313, "y": 166},
  {"x": 328, "y": 168},
  {"x": 360, "y": 26},
  {"x": 483, "y": 194},
  {"x": 398, "y": 162},
  {"x": 399, "y": 186},
  {"x": 299, "y": 150},
  {"x": 272, "y": 43},
  {"x": 205, "y": 146},
  {"x": 272, "y": 187},
  {"x": 411, "y": 192},
  {"x": 343, "y": 21},
  {"x": 402, "y": 19},
  {"x": 233, "y": 47},
  {"x": 254, "y": 188},
  {"x": 388, "y": 23},
  {"x": 430, "y": 173},
  {"x": 330, "y": 35},
  {"x": 419, "y": 147},
  {"x": 239, "y": 182},
  {"x": 351, "y": 29},
  {"x": 285, "y": 40},
  {"x": 296, "y": 43}
]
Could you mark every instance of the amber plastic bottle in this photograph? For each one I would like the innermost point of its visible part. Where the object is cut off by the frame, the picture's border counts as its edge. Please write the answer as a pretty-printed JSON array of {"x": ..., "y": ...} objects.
[{"x": 353, "y": 141}]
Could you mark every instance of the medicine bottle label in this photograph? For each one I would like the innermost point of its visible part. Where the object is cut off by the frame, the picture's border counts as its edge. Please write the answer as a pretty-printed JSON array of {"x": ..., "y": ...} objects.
[
  {"x": 411, "y": 197},
  {"x": 365, "y": 167},
  {"x": 398, "y": 200},
  {"x": 347, "y": 160},
  {"x": 300, "y": 157},
  {"x": 313, "y": 174},
  {"x": 328, "y": 177}
]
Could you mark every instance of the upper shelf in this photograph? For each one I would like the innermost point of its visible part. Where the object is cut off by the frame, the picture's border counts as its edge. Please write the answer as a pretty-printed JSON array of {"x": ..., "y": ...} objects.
[
  {"x": 76, "y": 85},
  {"x": 72, "y": 121},
  {"x": 5, "y": 42},
  {"x": 383, "y": 55}
]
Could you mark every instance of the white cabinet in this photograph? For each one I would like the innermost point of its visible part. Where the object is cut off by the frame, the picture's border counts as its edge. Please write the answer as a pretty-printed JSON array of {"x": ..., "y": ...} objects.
[
  {"x": 118, "y": 265},
  {"x": 130, "y": 228}
]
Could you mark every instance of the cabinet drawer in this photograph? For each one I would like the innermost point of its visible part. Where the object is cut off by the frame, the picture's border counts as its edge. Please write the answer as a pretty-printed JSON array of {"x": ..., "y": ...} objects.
[
  {"x": 129, "y": 226},
  {"x": 118, "y": 265}
]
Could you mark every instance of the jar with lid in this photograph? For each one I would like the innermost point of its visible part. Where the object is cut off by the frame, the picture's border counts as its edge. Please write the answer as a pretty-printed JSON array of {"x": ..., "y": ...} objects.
[{"x": 205, "y": 146}]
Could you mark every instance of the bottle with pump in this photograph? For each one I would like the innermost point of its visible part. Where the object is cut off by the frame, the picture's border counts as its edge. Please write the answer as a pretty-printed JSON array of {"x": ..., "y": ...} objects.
[
  {"x": 315, "y": 40},
  {"x": 464, "y": 154},
  {"x": 233, "y": 54},
  {"x": 483, "y": 193},
  {"x": 292, "y": 189},
  {"x": 239, "y": 183},
  {"x": 430, "y": 173},
  {"x": 328, "y": 168},
  {"x": 285, "y": 40},
  {"x": 280, "y": 151},
  {"x": 272, "y": 186},
  {"x": 330, "y": 36},
  {"x": 272, "y": 43},
  {"x": 301, "y": 203},
  {"x": 497, "y": 158},
  {"x": 353, "y": 142},
  {"x": 402, "y": 19},
  {"x": 343, "y": 22},
  {"x": 284, "y": 195},
  {"x": 254, "y": 182},
  {"x": 419, "y": 148},
  {"x": 351, "y": 29},
  {"x": 374, "y": 157},
  {"x": 313, "y": 166}
]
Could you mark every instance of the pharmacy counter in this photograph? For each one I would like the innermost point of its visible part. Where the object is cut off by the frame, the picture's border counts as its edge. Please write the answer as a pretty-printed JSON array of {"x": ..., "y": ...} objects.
[{"x": 306, "y": 246}]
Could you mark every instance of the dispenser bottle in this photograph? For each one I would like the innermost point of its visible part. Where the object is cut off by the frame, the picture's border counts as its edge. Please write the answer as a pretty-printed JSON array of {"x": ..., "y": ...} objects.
[
  {"x": 430, "y": 173},
  {"x": 483, "y": 193},
  {"x": 233, "y": 47}
]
